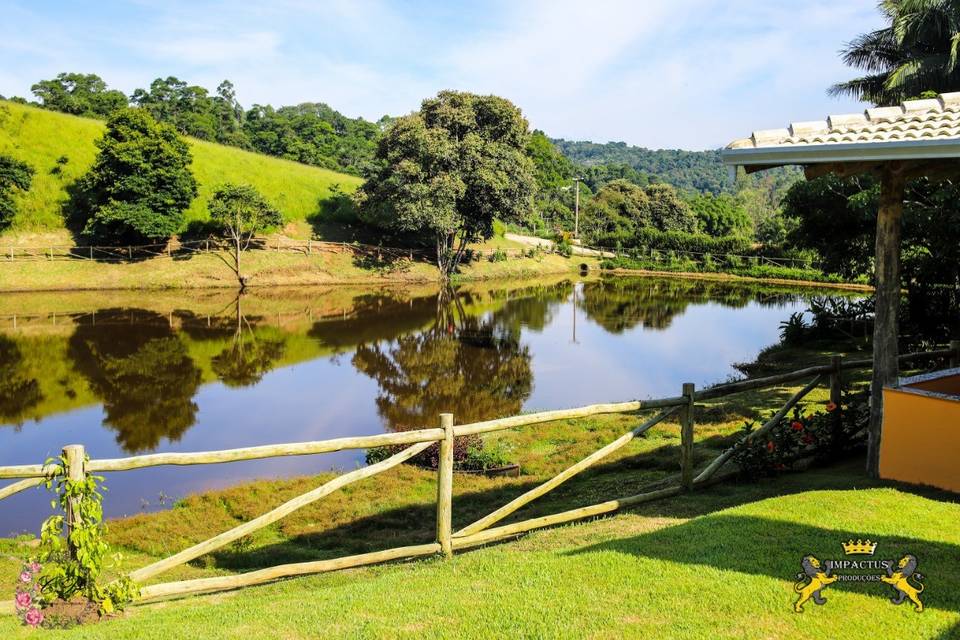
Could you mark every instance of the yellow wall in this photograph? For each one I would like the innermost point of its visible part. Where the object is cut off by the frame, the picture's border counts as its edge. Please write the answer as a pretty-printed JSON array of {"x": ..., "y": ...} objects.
[{"x": 921, "y": 439}]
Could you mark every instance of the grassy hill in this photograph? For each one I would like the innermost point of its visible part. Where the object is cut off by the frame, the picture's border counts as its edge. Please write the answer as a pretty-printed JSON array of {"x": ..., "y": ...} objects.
[{"x": 41, "y": 137}]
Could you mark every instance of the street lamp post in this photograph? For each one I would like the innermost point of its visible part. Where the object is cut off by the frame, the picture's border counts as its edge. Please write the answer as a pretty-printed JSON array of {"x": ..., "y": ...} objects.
[{"x": 576, "y": 208}]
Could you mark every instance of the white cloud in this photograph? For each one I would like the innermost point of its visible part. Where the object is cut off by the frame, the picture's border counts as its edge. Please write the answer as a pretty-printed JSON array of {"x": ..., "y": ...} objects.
[{"x": 212, "y": 49}]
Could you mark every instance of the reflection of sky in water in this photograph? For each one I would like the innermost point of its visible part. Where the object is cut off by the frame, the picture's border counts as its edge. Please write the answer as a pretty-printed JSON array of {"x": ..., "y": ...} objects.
[
  {"x": 328, "y": 398},
  {"x": 699, "y": 346}
]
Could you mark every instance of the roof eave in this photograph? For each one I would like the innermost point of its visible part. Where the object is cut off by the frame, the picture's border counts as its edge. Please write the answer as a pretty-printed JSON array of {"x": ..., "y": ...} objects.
[{"x": 774, "y": 156}]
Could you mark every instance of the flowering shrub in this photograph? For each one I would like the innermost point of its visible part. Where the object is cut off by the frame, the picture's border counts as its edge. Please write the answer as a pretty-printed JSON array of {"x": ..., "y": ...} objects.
[
  {"x": 62, "y": 577},
  {"x": 801, "y": 435},
  {"x": 469, "y": 453},
  {"x": 27, "y": 598}
]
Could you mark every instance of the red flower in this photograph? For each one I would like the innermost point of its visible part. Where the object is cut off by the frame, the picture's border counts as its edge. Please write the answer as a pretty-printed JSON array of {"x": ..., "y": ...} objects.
[
  {"x": 797, "y": 426},
  {"x": 771, "y": 446},
  {"x": 831, "y": 406},
  {"x": 807, "y": 439}
]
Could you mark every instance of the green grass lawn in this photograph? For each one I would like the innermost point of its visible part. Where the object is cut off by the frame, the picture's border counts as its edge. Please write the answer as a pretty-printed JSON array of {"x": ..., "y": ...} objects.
[
  {"x": 40, "y": 137},
  {"x": 718, "y": 564}
]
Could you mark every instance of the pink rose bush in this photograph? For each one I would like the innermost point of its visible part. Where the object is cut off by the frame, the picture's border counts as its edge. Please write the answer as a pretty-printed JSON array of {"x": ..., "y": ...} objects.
[{"x": 27, "y": 597}]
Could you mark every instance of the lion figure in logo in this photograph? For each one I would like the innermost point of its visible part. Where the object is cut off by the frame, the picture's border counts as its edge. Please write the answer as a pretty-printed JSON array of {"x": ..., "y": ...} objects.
[
  {"x": 819, "y": 578},
  {"x": 900, "y": 581}
]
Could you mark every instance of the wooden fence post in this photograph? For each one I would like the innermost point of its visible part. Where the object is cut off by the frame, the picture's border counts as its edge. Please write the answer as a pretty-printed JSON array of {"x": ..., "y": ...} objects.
[
  {"x": 309, "y": 246},
  {"x": 836, "y": 391},
  {"x": 955, "y": 356},
  {"x": 686, "y": 438},
  {"x": 75, "y": 457},
  {"x": 445, "y": 487}
]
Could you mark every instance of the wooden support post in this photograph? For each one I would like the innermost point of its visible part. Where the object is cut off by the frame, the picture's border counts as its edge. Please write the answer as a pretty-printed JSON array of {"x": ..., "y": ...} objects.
[
  {"x": 686, "y": 438},
  {"x": 75, "y": 458},
  {"x": 887, "y": 286},
  {"x": 955, "y": 356},
  {"x": 836, "y": 391},
  {"x": 309, "y": 246},
  {"x": 445, "y": 487},
  {"x": 129, "y": 253}
]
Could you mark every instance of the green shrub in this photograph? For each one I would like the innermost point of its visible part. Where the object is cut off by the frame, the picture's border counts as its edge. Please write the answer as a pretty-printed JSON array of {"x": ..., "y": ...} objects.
[{"x": 498, "y": 255}]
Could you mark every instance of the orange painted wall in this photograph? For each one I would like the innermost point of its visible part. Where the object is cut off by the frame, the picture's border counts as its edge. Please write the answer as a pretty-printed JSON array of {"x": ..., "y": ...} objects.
[{"x": 921, "y": 439}]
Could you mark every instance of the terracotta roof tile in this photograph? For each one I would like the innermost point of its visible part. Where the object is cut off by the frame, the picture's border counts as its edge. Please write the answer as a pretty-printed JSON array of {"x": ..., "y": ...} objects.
[{"x": 928, "y": 119}]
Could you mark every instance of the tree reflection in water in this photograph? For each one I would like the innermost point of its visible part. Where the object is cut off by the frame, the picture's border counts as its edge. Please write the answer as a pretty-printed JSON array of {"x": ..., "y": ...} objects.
[
  {"x": 467, "y": 352},
  {"x": 619, "y": 305},
  {"x": 471, "y": 365},
  {"x": 142, "y": 372},
  {"x": 248, "y": 357},
  {"x": 18, "y": 393}
]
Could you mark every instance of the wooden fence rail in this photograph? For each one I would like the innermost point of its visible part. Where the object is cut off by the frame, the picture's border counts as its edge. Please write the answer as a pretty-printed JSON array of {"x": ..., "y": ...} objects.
[{"x": 482, "y": 530}]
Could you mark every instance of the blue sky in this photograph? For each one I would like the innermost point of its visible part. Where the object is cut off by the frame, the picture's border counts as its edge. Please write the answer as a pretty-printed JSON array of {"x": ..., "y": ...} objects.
[{"x": 691, "y": 74}]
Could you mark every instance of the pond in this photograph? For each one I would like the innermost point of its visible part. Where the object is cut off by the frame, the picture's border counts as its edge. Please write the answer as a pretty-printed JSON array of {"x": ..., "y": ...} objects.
[{"x": 126, "y": 373}]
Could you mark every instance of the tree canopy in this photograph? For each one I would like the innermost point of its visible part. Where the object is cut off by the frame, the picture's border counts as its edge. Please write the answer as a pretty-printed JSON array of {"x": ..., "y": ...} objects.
[
  {"x": 140, "y": 183},
  {"x": 917, "y": 52},
  {"x": 448, "y": 169},
  {"x": 82, "y": 94},
  {"x": 720, "y": 215},
  {"x": 14, "y": 174},
  {"x": 621, "y": 209},
  {"x": 837, "y": 218}
]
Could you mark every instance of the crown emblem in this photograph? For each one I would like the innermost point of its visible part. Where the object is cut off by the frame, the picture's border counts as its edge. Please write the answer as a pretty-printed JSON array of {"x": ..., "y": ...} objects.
[{"x": 860, "y": 547}]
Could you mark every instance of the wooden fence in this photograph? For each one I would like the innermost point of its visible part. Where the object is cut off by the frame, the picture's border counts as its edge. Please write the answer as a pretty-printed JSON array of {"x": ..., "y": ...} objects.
[
  {"x": 175, "y": 248},
  {"x": 178, "y": 249},
  {"x": 482, "y": 531}
]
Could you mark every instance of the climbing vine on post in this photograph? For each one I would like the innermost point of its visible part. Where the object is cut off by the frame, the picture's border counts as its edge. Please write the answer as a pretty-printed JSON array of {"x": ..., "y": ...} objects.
[{"x": 72, "y": 545}]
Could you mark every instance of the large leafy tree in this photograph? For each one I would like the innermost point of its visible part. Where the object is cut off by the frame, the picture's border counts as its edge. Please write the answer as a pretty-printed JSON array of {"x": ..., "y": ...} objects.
[
  {"x": 832, "y": 208},
  {"x": 621, "y": 209},
  {"x": 14, "y": 174},
  {"x": 241, "y": 212},
  {"x": 140, "y": 183},
  {"x": 554, "y": 173},
  {"x": 82, "y": 94},
  {"x": 919, "y": 51},
  {"x": 448, "y": 169},
  {"x": 720, "y": 215}
]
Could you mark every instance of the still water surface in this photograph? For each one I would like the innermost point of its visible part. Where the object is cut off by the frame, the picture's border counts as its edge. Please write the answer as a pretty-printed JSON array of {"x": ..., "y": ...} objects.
[{"x": 190, "y": 371}]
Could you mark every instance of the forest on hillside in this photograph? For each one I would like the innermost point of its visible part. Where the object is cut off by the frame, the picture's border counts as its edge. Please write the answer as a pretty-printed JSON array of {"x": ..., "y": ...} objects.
[{"x": 700, "y": 171}]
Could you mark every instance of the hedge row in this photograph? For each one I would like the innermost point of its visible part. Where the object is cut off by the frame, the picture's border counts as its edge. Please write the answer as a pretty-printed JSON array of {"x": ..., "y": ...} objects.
[
  {"x": 687, "y": 265},
  {"x": 676, "y": 241}
]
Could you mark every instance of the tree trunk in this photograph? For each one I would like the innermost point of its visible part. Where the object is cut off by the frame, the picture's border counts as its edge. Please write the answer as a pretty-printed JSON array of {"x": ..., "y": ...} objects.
[
  {"x": 885, "y": 329},
  {"x": 236, "y": 262}
]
